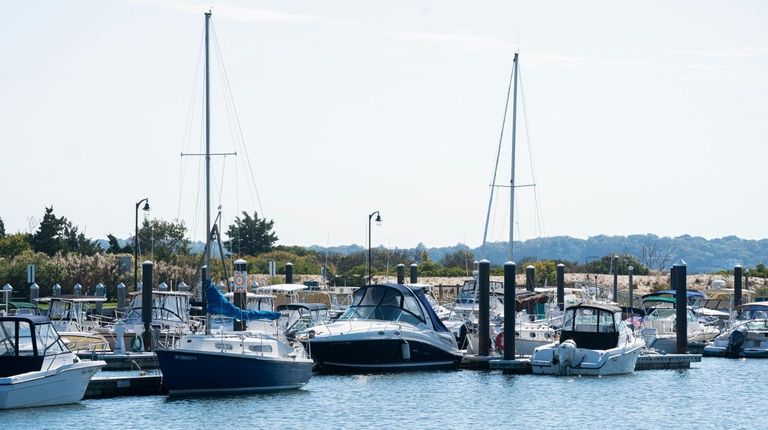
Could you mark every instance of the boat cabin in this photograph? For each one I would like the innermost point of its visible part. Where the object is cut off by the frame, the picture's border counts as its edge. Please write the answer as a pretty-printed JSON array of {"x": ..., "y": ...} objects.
[
  {"x": 752, "y": 311},
  {"x": 73, "y": 313},
  {"x": 592, "y": 326},
  {"x": 299, "y": 316},
  {"x": 393, "y": 302},
  {"x": 25, "y": 341}
]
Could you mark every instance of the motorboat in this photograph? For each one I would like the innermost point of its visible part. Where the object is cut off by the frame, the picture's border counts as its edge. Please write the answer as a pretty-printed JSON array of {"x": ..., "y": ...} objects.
[
  {"x": 230, "y": 362},
  {"x": 660, "y": 321},
  {"x": 297, "y": 317},
  {"x": 170, "y": 317},
  {"x": 36, "y": 368},
  {"x": 76, "y": 321},
  {"x": 745, "y": 339},
  {"x": 594, "y": 340},
  {"x": 388, "y": 327},
  {"x": 748, "y": 337}
]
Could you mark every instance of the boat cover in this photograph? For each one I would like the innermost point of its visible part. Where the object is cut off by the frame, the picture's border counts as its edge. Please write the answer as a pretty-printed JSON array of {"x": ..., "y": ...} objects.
[{"x": 219, "y": 305}]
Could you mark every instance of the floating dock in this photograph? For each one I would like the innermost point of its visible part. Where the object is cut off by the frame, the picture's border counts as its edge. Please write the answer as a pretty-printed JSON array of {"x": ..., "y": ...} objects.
[
  {"x": 522, "y": 366},
  {"x": 135, "y": 384}
]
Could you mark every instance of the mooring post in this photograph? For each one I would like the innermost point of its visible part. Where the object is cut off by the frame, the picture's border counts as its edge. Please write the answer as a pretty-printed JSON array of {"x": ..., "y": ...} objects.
[
  {"x": 483, "y": 326},
  {"x": 101, "y": 291},
  {"x": 737, "y": 285},
  {"x": 240, "y": 302},
  {"x": 56, "y": 290},
  {"x": 146, "y": 303},
  {"x": 510, "y": 309},
  {"x": 34, "y": 292},
  {"x": 630, "y": 269},
  {"x": 679, "y": 274},
  {"x": 77, "y": 289},
  {"x": 561, "y": 286},
  {"x": 121, "y": 290},
  {"x": 414, "y": 273},
  {"x": 289, "y": 273},
  {"x": 240, "y": 290},
  {"x": 530, "y": 275},
  {"x": 401, "y": 273}
]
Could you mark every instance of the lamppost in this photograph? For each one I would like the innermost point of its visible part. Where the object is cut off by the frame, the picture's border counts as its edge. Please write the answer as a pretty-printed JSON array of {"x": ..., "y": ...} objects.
[
  {"x": 136, "y": 242},
  {"x": 378, "y": 222}
]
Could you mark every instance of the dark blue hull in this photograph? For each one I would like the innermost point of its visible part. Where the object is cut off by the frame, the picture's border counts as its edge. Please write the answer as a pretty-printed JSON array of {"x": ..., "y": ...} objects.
[
  {"x": 381, "y": 355},
  {"x": 210, "y": 373}
]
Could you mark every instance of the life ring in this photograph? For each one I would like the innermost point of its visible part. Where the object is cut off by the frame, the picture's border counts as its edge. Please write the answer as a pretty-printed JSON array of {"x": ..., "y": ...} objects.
[
  {"x": 500, "y": 342},
  {"x": 137, "y": 344},
  {"x": 239, "y": 280}
]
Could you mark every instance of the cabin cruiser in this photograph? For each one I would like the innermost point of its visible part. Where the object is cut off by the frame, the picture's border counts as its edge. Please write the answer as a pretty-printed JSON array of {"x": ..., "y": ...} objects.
[
  {"x": 170, "y": 316},
  {"x": 227, "y": 362},
  {"x": 76, "y": 321},
  {"x": 388, "y": 327},
  {"x": 297, "y": 317},
  {"x": 36, "y": 368},
  {"x": 593, "y": 341},
  {"x": 659, "y": 325},
  {"x": 747, "y": 338}
]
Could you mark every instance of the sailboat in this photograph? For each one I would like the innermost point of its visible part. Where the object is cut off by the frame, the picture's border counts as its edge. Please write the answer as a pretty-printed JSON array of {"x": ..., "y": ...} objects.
[{"x": 221, "y": 361}]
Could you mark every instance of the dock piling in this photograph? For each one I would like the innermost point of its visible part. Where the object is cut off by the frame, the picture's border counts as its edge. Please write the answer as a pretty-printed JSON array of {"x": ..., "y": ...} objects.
[
  {"x": 679, "y": 270},
  {"x": 530, "y": 276},
  {"x": 34, "y": 292},
  {"x": 289, "y": 273},
  {"x": 414, "y": 273},
  {"x": 560, "y": 287},
  {"x": 509, "y": 310},
  {"x": 737, "y": 272},
  {"x": 146, "y": 303},
  {"x": 401, "y": 273},
  {"x": 121, "y": 290},
  {"x": 483, "y": 326}
]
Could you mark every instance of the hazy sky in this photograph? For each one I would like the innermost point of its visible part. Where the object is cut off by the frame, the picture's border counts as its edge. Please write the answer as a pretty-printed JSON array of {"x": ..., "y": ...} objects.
[{"x": 643, "y": 117}]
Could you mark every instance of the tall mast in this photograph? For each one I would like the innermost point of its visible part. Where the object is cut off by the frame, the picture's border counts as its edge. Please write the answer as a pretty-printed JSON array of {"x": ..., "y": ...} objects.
[
  {"x": 512, "y": 176},
  {"x": 207, "y": 149},
  {"x": 207, "y": 257}
]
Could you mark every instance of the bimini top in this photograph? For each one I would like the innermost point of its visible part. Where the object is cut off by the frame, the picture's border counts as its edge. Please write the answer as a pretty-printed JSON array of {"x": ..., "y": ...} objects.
[
  {"x": 393, "y": 302},
  {"x": 603, "y": 306},
  {"x": 689, "y": 293},
  {"x": 29, "y": 319}
]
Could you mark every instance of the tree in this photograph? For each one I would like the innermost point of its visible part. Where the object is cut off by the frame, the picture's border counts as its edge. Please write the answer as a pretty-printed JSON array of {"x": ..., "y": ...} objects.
[
  {"x": 164, "y": 239},
  {"x": 12, "y": 245},
  {"x": 48, "y": 238},
  {"x": 115, "y": 248},
  {"x": 2, "y": 229},
  {"x": 77, "y": 242},
  {"x": 250, "y": 235},
  {"x": 460, "y": 258}
]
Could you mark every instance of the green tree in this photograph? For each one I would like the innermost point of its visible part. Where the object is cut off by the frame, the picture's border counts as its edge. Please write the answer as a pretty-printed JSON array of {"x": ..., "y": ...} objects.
[
  {"x": 2, "y": 229},
  {"x": 12, "y": 245},
  {"x": 164, "y": 239},
  {"x": 250, "y": 235},
  {"x": 77, "y": 242},
  {"x": 48, "y": 238},
  {"x": 115, "y": 248}
]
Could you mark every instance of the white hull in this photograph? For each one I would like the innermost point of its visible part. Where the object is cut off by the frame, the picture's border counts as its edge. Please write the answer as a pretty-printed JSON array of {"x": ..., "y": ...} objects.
[
  {"x": 63, "y": 385},
  {"x": 617, "y": 361}
]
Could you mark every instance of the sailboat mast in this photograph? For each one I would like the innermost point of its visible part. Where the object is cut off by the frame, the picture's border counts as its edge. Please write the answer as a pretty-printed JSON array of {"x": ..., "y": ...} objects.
[
  {"x": 207, "y": 257},
  {"x": 512, "y": 175}
]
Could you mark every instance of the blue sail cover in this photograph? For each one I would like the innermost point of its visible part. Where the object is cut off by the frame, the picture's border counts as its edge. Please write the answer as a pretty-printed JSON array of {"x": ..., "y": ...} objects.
[{"x": 219, "y": 305}]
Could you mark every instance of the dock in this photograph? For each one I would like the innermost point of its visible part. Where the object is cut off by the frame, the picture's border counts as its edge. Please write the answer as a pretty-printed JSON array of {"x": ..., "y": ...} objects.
[
  {"x": 136, "y": 384},
  {"x": 522, "y": 365}
]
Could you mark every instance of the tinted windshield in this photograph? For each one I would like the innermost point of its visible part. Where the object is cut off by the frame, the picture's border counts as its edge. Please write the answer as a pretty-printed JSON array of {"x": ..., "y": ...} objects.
[{"x": 383, "y": 303}]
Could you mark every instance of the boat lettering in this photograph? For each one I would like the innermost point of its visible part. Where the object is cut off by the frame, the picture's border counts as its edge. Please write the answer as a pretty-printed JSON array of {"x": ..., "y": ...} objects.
[{"x": 184, "y": 357}]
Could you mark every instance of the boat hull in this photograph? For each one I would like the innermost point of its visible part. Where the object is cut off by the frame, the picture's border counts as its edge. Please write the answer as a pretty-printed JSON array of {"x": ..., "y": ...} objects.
[
  {"x": 196, "y": 372},
  {"x": 60, "y": 386},
  {"x": 586, "y": 362},
  {"x": 379, "y": 355}
]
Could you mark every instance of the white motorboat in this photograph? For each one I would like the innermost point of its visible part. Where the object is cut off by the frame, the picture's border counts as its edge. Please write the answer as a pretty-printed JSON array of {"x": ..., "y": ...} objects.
[
  {"x": 747, "y": 338},
  {"x": 388, "y": 327},
  {"x": 594, "y": 341},
  {"x": 36, "y": 368},
  {"x": 76, "y": 321},
  {"x": 659, "y": 325}
]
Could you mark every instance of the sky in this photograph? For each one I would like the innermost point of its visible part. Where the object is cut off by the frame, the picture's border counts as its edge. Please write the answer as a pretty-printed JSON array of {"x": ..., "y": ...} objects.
[{"x": 633, "y": 118}]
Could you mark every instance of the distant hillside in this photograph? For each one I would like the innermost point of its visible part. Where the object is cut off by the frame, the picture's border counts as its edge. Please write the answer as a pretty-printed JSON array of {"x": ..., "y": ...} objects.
[{"x": 702, "y": 255}]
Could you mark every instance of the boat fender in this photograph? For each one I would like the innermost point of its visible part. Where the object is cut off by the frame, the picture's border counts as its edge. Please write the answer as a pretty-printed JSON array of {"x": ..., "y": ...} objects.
[
  {"x": 405, "y": 349},
  {"x": 137, "y": 344},
  {"x": 500, "y": 342}
]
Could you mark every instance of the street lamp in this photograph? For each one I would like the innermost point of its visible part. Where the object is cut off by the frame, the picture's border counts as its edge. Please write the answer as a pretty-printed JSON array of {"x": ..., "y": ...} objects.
[
  {"x": 136, "y": 242},
  {"x": 378, "y": 222}
]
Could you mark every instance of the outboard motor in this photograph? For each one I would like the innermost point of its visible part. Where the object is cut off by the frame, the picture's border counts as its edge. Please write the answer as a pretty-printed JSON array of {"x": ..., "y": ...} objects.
[
  {"x": 735, "y": 341},
  {"x": 563, "y": 357}
]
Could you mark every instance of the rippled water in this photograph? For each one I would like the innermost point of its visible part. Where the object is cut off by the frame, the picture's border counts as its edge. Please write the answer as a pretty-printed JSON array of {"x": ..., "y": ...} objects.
[{"x": 716, "y": 393}]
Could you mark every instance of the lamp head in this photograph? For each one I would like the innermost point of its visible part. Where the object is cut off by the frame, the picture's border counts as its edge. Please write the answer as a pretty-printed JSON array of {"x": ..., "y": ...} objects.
[
  {"x": 146, "y": 206},
  {"x": 378, "y": 219}
]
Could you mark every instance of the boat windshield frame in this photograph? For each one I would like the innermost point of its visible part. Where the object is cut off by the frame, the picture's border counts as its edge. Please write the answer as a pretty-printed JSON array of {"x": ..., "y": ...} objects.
[{"x": 378, "y": 302}]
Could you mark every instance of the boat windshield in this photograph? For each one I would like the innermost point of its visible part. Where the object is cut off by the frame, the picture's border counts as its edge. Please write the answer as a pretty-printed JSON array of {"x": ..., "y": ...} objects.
[
  {"x": 589, "y": 320},
  {"x": 384, "y": 303},
  {"x": 48, "y": 341}
]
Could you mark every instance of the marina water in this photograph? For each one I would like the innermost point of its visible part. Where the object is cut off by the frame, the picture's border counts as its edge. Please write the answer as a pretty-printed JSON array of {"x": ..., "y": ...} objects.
[{"x": 716, "y": 393}]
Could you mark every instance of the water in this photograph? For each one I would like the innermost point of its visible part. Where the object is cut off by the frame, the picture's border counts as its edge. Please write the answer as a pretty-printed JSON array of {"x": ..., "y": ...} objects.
[{"x": 716, "y": 393}]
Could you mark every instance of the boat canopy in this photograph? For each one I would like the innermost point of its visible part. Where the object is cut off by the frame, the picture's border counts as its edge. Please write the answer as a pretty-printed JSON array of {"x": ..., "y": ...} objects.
[
  {"x": 592, "y": 325},
  {"x": 25, "y": 341},
  {"x": 752, "y": 311},
  {"x": 219, "y": 305},
  {"x": 393, "y": 302}
]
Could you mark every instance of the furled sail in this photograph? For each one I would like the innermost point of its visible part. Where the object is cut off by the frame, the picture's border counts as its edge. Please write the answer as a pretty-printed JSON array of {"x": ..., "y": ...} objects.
[{"x": 219, "y": 305}]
